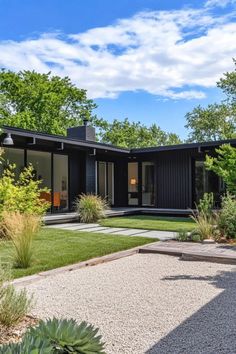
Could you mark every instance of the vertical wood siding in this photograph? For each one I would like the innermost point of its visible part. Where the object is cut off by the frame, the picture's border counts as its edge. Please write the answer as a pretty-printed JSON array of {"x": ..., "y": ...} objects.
[{"x": 174, "y": 184}]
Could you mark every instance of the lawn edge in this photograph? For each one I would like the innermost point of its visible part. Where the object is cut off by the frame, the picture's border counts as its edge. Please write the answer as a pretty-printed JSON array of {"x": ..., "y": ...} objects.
[{"x": 29, "y": 279}]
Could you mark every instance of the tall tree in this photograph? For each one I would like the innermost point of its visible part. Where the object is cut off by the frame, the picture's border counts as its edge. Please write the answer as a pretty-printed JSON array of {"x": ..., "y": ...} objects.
[
  {"x": 51, "y": 104},
  {"x": 216, "y": 121},
  {"x": 134, "y": 134},
  {"x": 41, "y": 102}
]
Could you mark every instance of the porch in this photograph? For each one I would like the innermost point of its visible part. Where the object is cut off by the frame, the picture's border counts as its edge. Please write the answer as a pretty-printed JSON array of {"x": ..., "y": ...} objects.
[{"x": 59, "y": 218}]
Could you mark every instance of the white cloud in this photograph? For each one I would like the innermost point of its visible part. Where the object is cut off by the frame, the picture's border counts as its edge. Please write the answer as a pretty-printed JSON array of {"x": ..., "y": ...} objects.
[
  {"x": 171, "y": 54},
  {"x": 219, "y": 3}
]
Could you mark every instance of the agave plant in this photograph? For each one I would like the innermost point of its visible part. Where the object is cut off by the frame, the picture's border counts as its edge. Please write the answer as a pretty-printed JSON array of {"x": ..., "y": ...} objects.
[
  {"x": 58, "y": 337},
  {"x": 29, "y": 345},
  {"x": 67, "y": 336}
]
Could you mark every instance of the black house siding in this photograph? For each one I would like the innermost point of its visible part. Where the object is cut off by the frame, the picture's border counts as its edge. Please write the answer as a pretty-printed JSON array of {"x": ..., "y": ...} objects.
[{"x": 174, "y": 182}]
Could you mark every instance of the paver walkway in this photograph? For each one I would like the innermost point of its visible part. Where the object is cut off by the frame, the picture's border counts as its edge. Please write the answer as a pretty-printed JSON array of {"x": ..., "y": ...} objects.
[
  {"x": 221, "y": 253},
  {"x": 161, "y": 235}
]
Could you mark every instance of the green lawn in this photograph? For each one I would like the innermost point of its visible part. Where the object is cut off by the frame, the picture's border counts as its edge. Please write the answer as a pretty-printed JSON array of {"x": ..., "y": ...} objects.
[
  {"x": 55, "y": 248},
  {"x": 150, "y": 222}
]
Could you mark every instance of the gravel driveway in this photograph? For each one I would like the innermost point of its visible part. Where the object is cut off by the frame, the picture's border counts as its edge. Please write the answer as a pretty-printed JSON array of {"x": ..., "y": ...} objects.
[{"x": 148, "y": 304}]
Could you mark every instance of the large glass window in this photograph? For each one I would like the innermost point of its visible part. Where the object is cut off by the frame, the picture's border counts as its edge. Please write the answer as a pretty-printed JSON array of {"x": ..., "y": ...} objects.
[
  {"x": 41, "y": 162},
  {"x": 102, "y": 179},
  {"x": 207, "y": 182},
  {"x": 110, "y": 182},
  {"x": 60, "y": 182},
  {"x": 13, "y": 156},
  {"x": 148, "y": 183},
  {"x": 105, "y": 176},
  {"x": 132, "y": 183}
]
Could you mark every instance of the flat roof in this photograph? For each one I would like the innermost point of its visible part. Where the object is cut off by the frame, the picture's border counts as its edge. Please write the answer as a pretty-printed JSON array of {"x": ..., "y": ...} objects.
[
  {"x": 109, "y": 147},
  {"x": 184, "y": 146},
  {"x": 63, "y": 139}
]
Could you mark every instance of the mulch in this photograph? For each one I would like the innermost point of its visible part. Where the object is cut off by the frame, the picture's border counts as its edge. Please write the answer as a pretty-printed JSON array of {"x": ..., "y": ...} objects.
[{"x": 14, "y": 334}]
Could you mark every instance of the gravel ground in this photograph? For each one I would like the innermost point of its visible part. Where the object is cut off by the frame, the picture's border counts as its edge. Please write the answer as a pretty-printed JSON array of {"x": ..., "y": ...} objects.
[{"x": 148, "y": 304}]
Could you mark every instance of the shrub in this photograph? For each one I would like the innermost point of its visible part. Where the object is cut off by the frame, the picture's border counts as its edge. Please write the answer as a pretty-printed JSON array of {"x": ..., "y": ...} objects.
[
  {"x": 182, "y": 236},
  {"x": 21, "y": 229},
  {"x": 206, "y": 204},
  {"x": 91, "y": 207},
  {"x": 22, "y": 195},
  {"x": 58, "y": 336},
  {"x": 227, "y": 217},
  {"x": 14, "y": 305}
]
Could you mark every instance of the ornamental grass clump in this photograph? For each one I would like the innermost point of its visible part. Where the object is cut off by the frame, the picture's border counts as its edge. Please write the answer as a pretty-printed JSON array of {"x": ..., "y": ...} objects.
[
  {"x": 91, "y": 207},
  {"x": 21, "y": 230},
  {"x": 14, "y": 305},
  {"x": 205, "y": 219}
]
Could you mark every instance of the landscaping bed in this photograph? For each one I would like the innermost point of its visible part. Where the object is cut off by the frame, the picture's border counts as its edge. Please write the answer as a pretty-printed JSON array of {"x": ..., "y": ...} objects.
[
  {"x": 148, "y": 222},
  {"x": 14, "y": 334},
  {"x": 54, "y": 248}
]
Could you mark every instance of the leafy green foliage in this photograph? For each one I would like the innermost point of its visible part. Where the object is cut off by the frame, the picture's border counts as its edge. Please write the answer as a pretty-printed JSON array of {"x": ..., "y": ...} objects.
[
  {"x": 41, "y": 102},
  {"x": 58, "y": 336},
  {"x": 182, "y": 236},
  {"x": 14, "y": 305},
  {"x": 224, "y": 165},
  {"x": 131, "y": 135},
  {"x": 91, "y": 207},
  {"x": 206, "y": 204},
  {"x": 22, "y": 195},
  {"x": 216, "y": 121},
  {"x": 227, "y": 217}
]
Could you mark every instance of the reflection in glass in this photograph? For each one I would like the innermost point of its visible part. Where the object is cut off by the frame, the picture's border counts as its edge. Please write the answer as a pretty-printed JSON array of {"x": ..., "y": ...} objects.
[
  {"x": 207, "y": 182},
  {"x": 60, "y": 182},
  {"x": 41, "y": 162},
  {"x": 110, "y": 182},
  {"x": 132, "y": 183},
  {"x": 102, "y": 179},
  {"x": 105, "y": 175},
  {"x": 13, "y": 156},
  {"x": 148, "y": 196}
]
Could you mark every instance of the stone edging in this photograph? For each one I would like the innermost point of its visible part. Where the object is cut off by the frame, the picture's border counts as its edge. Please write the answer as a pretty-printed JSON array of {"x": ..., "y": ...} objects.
[{"x": 90, "y": 262}]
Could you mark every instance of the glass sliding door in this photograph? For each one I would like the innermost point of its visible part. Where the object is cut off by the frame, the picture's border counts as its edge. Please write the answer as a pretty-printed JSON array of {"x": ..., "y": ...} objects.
[
  {"x": 60, "y": 182},
  {"x": 102, "y": 179},
  {"x": 110, "y": 182},
  {"x": 148, "y": 184},
  {"x": 207, "y": 182},
  {"x": 133, "y": 184},
  {"x": 16, "y": 157},
  {"x": 41, "y": 162},
  {"x": 105, "y": 180}
]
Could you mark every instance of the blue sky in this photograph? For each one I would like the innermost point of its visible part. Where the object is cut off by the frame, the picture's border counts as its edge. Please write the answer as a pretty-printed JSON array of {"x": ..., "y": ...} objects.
[{"x": 147, "y": 60}]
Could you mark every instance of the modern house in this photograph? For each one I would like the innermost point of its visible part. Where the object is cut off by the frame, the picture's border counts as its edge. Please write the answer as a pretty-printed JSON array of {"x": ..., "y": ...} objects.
[{"x": 164, "y": 177}]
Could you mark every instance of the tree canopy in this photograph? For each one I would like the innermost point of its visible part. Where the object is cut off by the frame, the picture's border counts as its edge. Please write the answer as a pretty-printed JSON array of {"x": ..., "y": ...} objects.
[
  {"x": 134, "y": 134},
  {"x": 216, "y": 121},
  {"x": 41, "y": 102},
  {"x": 51, "y": 104}
]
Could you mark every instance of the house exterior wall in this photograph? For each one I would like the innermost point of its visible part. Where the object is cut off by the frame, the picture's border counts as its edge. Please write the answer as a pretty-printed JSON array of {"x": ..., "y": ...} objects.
[{"x": 174, "y": 180}]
